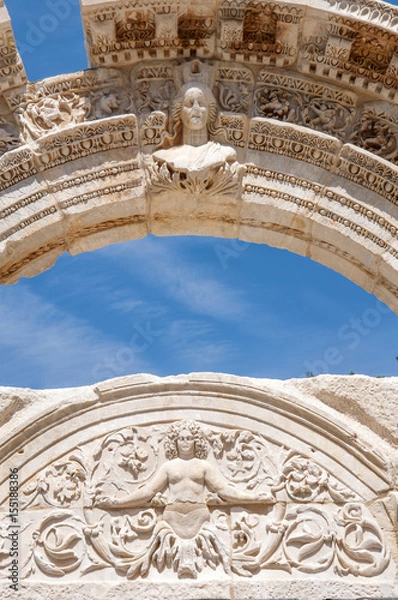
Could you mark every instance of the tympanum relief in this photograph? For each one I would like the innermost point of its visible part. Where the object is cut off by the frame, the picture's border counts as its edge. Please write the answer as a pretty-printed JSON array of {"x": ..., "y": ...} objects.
[{"x": 185, "y": 497}]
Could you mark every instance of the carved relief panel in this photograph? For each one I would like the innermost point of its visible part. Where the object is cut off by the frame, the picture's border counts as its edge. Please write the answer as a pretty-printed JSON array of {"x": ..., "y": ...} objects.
[
  {"x": 265, "y": 32},
  {"x": 362, "y": 49},
  {"x": 303, "y": 102},
  {"x": 46, "y": 107},
  {"x": 186, "y": 497},
  {"x": 376, "y": 130},
  {"x": 128, "y": 32}
]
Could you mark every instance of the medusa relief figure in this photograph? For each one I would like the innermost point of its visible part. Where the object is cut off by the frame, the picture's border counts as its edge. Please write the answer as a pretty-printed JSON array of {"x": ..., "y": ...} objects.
[{"x": 184, "y": 530}]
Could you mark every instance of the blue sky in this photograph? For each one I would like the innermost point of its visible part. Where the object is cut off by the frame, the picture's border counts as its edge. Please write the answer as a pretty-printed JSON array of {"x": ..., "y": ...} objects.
[{"x": 176, "y": 305}]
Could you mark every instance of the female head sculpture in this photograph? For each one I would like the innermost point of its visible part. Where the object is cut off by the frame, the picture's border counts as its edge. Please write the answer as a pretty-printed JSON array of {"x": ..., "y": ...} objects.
[
  {"x": 176, "y": 431},
  {"x": 194, "y": 113},
  {"x": 188, "y": 148}
]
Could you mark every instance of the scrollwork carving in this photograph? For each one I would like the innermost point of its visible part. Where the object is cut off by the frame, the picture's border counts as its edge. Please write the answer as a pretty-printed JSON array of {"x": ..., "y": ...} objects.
[
  {"x": 309, "y": 540},
  {"x": 154, "y": 88},
  {"x": 60, "y": 485},
  {"x": 361, "y": 549},
  {"x": 233, "y": 89},
  {"x": 305, "y": 481},
  {"x": 128, "y": 454},
  {"x": 58, "y": 546},
  {"x": 187, "y": 497}
]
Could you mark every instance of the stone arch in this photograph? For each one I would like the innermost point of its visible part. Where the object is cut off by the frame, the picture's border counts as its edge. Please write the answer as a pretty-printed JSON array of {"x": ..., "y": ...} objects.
[{"x": 308, "y": 104}]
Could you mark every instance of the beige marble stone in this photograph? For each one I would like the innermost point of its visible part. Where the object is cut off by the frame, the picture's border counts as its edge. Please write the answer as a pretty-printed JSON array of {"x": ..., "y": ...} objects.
[
  {"x": 296, "y": 145},
  {"x": 273, "y": 123},
  {"x": 228, "y": 487}
]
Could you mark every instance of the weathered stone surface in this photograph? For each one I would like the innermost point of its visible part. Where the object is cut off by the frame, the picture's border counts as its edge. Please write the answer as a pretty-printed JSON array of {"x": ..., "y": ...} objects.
[
  {"x": 244, "y": 488},
  {"x": 298, "y": 147},
  {"x": 275, "y": 123}
]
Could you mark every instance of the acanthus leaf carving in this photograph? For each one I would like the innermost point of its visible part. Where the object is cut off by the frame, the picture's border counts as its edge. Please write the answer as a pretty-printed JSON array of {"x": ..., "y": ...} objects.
[
  {"x": 233, "y": 88},
  {"x": 172, "y": 497},
  {"x": 58, "y": 546},
  {"x": 361, "y": 549},
  {"x": 59, "y": 485},
  {"x": 187, "y": 160},
  {"x": 221, "y": 180}
]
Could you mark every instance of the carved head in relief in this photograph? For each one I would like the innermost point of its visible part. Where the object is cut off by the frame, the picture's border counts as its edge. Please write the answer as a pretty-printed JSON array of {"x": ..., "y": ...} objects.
[
  {"x": 185, "y": 440},
  {"x": 194, "y": 113}
]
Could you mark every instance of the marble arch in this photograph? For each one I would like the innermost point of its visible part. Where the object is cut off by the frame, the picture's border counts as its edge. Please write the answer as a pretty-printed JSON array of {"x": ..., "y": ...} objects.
[
  {"x": 274, "y": 122},
  {"x": 306, "y": 96}
]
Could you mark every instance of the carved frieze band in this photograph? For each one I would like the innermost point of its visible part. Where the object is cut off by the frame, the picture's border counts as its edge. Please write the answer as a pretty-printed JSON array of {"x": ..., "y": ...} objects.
[
  {"x": 263, "y": 183},
  {"x": 186, "y": 497},
  {"x": 129, "y": 121}
]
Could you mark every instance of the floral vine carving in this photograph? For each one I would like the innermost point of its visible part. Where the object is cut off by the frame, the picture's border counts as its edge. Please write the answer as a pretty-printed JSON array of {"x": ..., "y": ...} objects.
[{"x": 174, "y": 497}]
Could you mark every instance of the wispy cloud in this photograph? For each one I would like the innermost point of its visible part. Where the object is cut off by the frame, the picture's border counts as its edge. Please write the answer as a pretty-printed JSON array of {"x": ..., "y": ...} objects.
[
  {"x": 47, "y": 345},
  {"x": 197, "y": 288},
  {"x": 196, "y": 345}
]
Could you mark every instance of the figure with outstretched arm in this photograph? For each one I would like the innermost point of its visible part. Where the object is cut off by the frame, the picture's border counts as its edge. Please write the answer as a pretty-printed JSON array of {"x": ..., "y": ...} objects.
[{"x": 186, "y": 476}]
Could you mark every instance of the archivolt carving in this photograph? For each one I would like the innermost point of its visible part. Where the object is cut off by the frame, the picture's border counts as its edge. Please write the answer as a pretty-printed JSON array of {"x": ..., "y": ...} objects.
[
  {"x": 293, "y": 142},
  {"x": 187, "y": 497},
  {"x": 377, "y": 132},
  {"x": 298, "y": 101},
  {"x": 324, "y": 115}
]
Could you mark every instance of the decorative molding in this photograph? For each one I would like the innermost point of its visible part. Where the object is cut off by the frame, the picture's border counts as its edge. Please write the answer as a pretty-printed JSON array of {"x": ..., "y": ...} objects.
[
  {"x": 332, "y": 109},
  {"x": 173, "y": 498}
]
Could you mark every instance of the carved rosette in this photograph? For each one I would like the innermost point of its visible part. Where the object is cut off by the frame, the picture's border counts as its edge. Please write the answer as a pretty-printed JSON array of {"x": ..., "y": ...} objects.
[{"x": 274, "y": 509}]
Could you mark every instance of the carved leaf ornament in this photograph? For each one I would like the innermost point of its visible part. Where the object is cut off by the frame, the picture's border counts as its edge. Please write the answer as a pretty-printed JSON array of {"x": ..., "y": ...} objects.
[{"x": 188, "y": 497}]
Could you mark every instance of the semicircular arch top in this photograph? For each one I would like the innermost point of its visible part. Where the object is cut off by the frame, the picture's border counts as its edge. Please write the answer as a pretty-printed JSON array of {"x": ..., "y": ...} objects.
[{"x": 291, "y": 137}]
